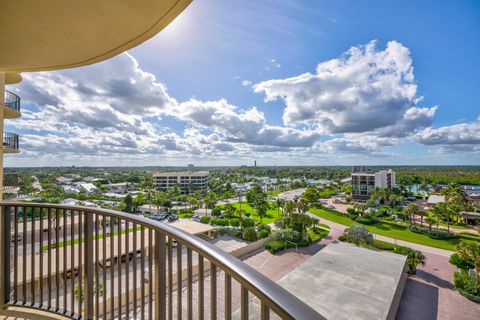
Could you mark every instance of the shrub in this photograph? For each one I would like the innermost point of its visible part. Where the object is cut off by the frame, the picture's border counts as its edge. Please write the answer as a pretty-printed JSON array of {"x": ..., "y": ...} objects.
[
  {"x": 464, "y": 282},
  {"x": 381, "y": 245},
  {"x": 205, "y": 219},
  {"x": 280, "y": 223},
  {"x": 220, "y": 231},
  {"x": 414, "y": 257},
  {"x": 219, "y": 222},
  {"x": 250, "y": 234},
  {"x": 275, "y": 246},
  {"x": 366, "y": 219},
  {"x": 264, "y": 233},
  {"x": 350, "y": 211},
  {"x": 342, "y": 238},
  {"x": 287, "y": 234},
  {"x": 216, "y": 212},
  {"x": 464, "y": 264},
  {"x": 235, "y": 222},
  {"x": 266, "y": 227},
  {"x": 357, "y": 234},
  {"x": 247, "y": 222},
  {"x": 468, "y": 236}
]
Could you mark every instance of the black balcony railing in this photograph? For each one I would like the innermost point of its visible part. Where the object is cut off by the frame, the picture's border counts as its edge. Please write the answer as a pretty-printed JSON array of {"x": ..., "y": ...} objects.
[
  {"x": 10, "y": 141},
  {"x": 10, "y": 180},
  {"x": 101, "y": 264},
  {"x": 12, "y": 100}
]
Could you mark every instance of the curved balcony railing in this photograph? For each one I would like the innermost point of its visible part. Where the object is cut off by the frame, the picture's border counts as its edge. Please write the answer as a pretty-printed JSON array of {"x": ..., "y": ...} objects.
[
  {"x": 10, "y": 141},
  {"x": 103, "y": 264},
  {"x": 12, "y": 100}
]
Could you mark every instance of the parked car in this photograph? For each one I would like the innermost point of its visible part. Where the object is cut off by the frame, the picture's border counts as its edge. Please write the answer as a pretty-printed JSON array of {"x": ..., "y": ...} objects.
[
  {"x": 158, "y": 216},
  {"x": 172, "y": 217},
  {"x": 196, "y": 218},
  {"x": 331, "y": 206}
]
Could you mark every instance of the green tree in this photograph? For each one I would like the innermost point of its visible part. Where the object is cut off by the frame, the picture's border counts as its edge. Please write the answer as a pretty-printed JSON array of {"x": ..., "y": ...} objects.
[
  {"x": 470, "y": 251},
  {"x": 414, "y": 258},
  {"x": 358, "y": 234}
]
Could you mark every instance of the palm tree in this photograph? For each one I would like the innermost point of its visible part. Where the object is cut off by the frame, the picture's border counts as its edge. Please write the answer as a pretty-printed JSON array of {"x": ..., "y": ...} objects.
[
  {"x": 414, "y": 258},
  {"x": 410, "y": 212},
  {"x": 280, "y": 203}
]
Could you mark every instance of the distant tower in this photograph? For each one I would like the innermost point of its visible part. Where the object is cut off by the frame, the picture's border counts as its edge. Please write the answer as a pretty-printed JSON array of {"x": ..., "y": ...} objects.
[
  {"x": 255, "y": 163},
  {"x": 190, "y": 167}
]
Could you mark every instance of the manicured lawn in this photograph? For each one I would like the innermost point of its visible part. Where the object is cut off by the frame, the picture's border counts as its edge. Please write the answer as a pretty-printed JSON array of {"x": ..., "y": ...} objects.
[
  {"x": 270, "y": 216},
  {"x": 391, "y": 231}
]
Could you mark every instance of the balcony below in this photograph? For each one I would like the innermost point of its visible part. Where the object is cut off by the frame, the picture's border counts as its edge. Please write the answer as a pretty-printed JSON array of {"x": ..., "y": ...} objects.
[
  {"x": 11, "y": 106},
  {"x": 10, "y": 142}
]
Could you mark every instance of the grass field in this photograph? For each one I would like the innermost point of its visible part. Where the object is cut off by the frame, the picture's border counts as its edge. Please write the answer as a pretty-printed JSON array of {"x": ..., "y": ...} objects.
[
  {"x": 271, "y": 215},
  {"x": 391, "y": 231}
]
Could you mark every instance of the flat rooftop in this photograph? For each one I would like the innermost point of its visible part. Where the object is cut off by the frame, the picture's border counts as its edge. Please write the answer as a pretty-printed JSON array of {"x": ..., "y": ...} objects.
[
  {"x": 192, "y": 227},
  {"x": 344, "y": 281},
  {"x": 181, "y": 173}
]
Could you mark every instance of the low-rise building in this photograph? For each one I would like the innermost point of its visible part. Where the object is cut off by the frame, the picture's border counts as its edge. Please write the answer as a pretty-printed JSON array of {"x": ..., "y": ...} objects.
[
  {"x": 188, "y": 182},
  {"x": 89, "y": 188},
  {"x": 63, "y": 180},
  {"x": 122, "y": 187},
  {"x": 363, "y": 183}
]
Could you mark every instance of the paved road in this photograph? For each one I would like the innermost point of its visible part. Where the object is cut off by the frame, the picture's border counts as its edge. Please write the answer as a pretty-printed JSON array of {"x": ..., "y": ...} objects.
[{"x": 290, "y": 195}]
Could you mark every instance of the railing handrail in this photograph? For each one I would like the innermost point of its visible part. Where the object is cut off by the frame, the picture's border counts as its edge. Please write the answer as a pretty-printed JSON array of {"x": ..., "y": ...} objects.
[
  {"x": 12, "y": 100},
  {"x": 278, "y": 299}
]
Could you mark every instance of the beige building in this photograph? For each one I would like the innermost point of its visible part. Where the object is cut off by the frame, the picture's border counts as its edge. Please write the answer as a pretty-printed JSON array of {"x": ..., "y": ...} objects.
[{"x": 188, "y": 182}]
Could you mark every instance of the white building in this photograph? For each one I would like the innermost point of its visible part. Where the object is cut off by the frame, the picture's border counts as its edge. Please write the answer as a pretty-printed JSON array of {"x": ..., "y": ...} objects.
[
  {"x": 89, "y": 188},
  {"x": 363, "y": 183},
  {"x": 63, "y": 180},
  {"x": 122, "y": 187}
]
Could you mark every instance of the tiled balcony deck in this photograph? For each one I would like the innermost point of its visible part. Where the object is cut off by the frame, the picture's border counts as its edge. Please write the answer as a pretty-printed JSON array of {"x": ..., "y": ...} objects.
[{"x": 18, "y": 313}]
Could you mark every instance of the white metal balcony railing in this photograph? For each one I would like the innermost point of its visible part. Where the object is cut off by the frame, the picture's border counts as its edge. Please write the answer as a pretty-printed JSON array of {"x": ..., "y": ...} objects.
[{"x": 92, "y": 263}]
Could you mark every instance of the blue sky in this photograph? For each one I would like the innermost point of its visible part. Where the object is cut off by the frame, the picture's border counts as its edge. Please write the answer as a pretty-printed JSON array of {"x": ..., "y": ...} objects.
[{"x": 224, "y": 59}]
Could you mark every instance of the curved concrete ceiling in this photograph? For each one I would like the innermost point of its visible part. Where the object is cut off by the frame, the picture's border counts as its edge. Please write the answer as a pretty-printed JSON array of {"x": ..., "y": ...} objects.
[
  {"x": 12, "y": 78},
  {"x": 55, "y": 34}
]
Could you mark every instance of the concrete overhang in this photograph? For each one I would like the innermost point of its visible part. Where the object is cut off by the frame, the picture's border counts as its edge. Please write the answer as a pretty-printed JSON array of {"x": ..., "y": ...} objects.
[
  {"x": 54, "y": 34},
  {"x": 12, "y": 78}
]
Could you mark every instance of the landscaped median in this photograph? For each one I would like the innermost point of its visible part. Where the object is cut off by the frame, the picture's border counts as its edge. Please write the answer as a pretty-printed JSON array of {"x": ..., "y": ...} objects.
[{"x": 389, "y": 230}]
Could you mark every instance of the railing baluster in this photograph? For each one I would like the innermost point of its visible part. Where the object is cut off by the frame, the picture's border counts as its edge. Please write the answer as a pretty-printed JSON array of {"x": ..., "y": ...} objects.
[
  {"x": 112, "y": 269},
  {"x": 119, "y": 267},
  {"x": 97, "y": 274},
  {"x": 57, "y": 260},
  {"x": 135, "y": 282},
  {"x": 228, "y": 297},
  {"x": 104, "y": 266},
  {"x": 88, "y": 269},
  {"x": 213, "y": 291},
  {"x": 127, "y": 269},
  {"x": 15, "y": 257},
  {"x": 5, "y": 243},
  {"x": 24, "y": 257},
  {"x": 264, "y": 311},
  {"x": 65, "y": 259},
  {"x": 32, "y": 253},
  {"x": 80, "y": 260},
  {"x": 189, "y": 285},
  {"x": 150, "y": 274},
  {"x": 170, "y": 278},
  {"x": 179, "y": 281},
  {"x": 160, "y": 277},
  {"x": 243, "y": 303},
  {"x": 142, "y": 271},
  {"x": 201, "y": 288},
  {"x": 72, "y": 261}
]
